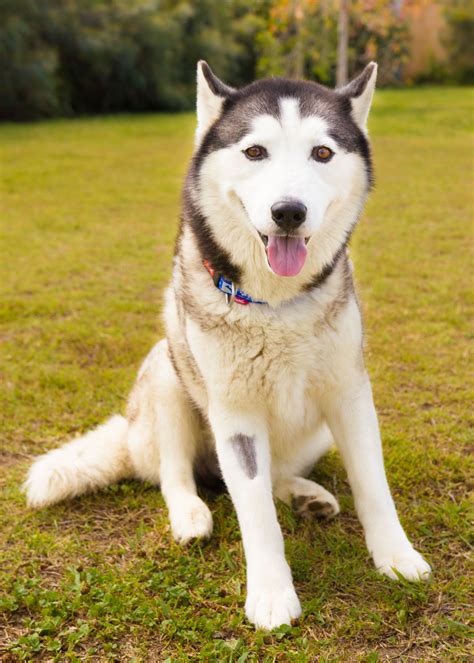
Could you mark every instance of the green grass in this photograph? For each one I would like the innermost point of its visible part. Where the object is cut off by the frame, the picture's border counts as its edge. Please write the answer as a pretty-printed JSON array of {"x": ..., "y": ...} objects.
[{"x": 89, "y": 211}]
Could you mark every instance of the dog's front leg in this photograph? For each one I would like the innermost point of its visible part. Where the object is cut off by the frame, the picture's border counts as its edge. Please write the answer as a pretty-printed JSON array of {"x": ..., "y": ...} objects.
[
  {"x": 351, "y": 415},
  {"x": 244, "y": 457}
]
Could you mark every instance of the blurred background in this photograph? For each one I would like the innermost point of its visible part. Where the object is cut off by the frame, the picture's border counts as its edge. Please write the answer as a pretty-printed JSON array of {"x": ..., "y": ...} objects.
[{"x": 69, "y": 57}]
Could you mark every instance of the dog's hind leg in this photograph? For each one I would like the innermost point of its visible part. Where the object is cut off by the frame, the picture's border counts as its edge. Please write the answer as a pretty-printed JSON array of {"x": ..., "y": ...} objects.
[
  {"x": 162, "y": 442},
  {"x": 308, "y": 498}
]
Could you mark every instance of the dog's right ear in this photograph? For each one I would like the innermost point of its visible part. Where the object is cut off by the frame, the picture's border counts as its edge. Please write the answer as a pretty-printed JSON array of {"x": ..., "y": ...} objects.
[{"x": 211, "y": 92}]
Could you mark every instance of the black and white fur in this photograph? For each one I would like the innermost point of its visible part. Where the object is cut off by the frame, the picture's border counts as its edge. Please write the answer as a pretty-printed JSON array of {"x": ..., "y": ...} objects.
[{"x": 256, "y": 393}]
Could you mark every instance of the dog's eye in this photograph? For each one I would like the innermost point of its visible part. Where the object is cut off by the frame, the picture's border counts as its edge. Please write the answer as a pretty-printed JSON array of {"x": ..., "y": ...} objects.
[
  {"x": 322, "y": 153},
  {"x": 256, "y": 152}
]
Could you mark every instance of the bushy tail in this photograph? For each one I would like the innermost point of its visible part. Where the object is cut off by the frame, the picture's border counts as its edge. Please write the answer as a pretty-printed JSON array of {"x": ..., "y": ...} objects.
[{"x": 92, "y": 461}]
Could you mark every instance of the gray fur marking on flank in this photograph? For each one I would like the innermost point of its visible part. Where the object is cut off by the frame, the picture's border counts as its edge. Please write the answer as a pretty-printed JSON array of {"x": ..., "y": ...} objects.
[{"x": 244, "y": 447}]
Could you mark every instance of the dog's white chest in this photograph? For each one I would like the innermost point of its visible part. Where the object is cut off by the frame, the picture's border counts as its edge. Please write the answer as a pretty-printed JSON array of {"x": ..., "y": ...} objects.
[{"x": 275, "y": 370}]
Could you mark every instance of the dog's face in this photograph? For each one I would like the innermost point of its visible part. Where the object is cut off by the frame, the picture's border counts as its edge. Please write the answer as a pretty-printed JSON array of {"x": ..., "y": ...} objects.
[{"x": 282, "y": 155}]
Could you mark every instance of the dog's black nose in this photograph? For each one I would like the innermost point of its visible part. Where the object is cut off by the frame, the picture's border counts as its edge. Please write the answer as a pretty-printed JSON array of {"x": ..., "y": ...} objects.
[{"x": 289, "y": 214}]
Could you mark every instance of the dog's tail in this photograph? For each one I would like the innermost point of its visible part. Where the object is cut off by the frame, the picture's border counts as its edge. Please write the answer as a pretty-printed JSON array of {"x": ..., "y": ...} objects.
[{"x": 93, "y": 461}]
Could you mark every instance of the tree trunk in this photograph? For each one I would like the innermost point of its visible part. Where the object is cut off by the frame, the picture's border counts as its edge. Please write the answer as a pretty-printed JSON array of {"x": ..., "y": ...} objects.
[
  {"x": 295, "y": 60},
  {"x": 342, "y": 39}
]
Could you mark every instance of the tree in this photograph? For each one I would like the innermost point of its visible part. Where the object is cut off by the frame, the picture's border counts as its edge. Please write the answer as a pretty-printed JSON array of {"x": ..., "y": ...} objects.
[
  {"x": 62, "y": 57},
  {"x": 334, "y": 31},
  {"x": 342, "y": 43},
  {"x": 460, "y": 19}
]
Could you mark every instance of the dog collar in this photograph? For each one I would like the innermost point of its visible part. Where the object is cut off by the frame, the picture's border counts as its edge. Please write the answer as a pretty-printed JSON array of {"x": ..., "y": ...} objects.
[{"x": 228, "y": 287}]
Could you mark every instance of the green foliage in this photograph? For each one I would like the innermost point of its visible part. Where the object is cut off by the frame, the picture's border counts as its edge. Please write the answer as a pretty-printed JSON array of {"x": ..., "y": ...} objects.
[
  {"x": 460, "y": 40},
  {"x": 28, "y": 83},
  {"x": 303, "y": 42},
  {"x": 299, "y": 45},
  {"x": 71, "y": 57},
  {"x": 99, "y": 56},
  {"x": 88, "y": 218},
  {"x": 378, "y": 32}
]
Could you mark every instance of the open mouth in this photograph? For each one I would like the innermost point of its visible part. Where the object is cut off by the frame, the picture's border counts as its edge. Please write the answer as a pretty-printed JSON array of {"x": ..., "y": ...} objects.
[{"x": 286, "y": 254}]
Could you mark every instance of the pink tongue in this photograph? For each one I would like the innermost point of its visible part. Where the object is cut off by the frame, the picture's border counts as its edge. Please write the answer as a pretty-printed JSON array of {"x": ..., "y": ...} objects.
[{"x": 286, "y": 255}]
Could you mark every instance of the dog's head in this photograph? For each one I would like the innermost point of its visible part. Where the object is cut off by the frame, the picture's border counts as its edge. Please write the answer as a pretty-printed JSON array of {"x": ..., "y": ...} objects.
[{"x": 284, "y": 165}]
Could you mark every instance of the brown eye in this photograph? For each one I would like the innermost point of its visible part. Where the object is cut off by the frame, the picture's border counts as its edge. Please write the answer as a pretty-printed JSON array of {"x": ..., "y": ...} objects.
[
  {"x": 256, "y": 152},
  {"x": 322, "y": 153}
]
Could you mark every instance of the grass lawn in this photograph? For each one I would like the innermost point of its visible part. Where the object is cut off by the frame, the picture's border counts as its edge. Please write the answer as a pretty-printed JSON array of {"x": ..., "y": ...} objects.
[{"x": 89, "y": 211}]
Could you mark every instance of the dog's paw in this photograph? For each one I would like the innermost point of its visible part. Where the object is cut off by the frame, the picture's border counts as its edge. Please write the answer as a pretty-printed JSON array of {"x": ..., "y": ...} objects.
[
  {"x": 407, "y": 563},
  {"x": 310, "y": 500},
  {"x": 190, "y": 519},
  {"x": 316, "y": 506},
  {"x": 270, "y": 608}
]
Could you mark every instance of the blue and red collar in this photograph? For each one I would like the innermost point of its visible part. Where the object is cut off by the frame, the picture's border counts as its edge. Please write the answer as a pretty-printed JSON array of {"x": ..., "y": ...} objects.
[{"x": 228, "y": 287}]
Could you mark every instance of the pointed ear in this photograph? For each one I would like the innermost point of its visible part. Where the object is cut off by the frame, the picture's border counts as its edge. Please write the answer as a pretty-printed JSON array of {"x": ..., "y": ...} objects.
[
  {"x": 211, "y": 93},
  {"x": 360, "y": 92}
]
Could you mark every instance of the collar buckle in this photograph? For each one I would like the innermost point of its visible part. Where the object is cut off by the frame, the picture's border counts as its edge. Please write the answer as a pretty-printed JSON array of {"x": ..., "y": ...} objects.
[
  {"x": 232, "y": 292},
  {"x": 230, "y": 297}
]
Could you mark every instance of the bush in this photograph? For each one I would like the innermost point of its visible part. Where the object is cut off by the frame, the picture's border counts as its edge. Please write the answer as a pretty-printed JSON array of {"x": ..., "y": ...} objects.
[
  {"x": 460, "y": 40},
  {"x": 62, "y": 57},
  {"x": 28, "y": 75}
]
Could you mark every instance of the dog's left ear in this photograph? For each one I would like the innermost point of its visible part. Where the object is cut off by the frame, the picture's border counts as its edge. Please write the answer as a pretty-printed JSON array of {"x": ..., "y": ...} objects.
[
  {"x": 211, "y": 93},
  {"x": 360, "y": 92}
]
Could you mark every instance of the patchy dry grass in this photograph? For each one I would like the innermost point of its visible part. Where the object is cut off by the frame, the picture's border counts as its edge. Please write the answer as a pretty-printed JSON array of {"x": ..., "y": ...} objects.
[{"x": 89, "y": 210}]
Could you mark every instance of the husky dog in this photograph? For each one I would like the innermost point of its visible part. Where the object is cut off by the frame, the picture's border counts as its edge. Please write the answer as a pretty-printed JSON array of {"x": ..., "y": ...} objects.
[{"x": 262, "y": 365}]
